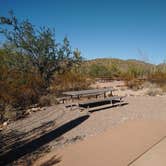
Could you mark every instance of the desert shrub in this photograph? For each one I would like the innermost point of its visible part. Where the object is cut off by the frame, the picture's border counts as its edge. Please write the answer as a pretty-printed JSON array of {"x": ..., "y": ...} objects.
[
  {"x": 20, "y": 83},
  {"x": 10, "y": 113},
  {"x": 163, "y": 88},
  {"x": 154, "y": 92},
  {"x": 158, "y": 77},
  {"x": 153, "y": 89},
  {"x": 71, "y": 80},
  {"x": 39, "y": 45},
  {"x": 53, "y": 99},
  {"x": 133, "y": 72},
  {"x": 44, "y": 101},
  {"x": 134, "y": 84},
  {"x": 133, "y": 77},
  {"x": 29, "y": 58},
  {"x": 48, "y": 100},
  {"x": 20, "y": 90},
  {"x": 102, "y": 70},
  {"x": 115, "y": 71},
  {"x": 99, "y": 70}
]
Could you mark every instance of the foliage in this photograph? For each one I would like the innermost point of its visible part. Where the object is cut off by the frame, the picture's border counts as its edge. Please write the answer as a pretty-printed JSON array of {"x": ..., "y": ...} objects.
[
  {"x": 40, "y": 45},
  {"x": 134, "y": 77},
  {"x": 44, "y": 101},
  {"x": 133, "y": 72},
  {"x": 115, "y": 71},
  {"x": 158, "y": 77},
  {"x": 30, "y": 58},
  {"x": 32, "y": 62},
  {"x": 134, "y": 84},
  {"x": 47, "y": 100},
  {"x": 20, "y": 84},
  {"x": 154, "y": 92},
  {"x": 70, "y": 80},
  {"x": 116, "y": 68},
  {"x": 97, "y": 70}
]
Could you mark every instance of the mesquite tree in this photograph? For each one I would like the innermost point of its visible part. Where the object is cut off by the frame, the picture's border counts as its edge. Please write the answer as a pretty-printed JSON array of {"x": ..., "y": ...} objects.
[{"x": 39, "y": 45}]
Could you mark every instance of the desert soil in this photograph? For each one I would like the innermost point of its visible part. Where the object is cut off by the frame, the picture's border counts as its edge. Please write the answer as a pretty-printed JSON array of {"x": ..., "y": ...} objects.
[
  {"x": 139, "y": 107},
  {"x": 120, "y": 146}
]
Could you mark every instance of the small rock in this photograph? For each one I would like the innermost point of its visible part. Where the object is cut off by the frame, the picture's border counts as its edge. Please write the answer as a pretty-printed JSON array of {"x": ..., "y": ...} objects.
[
  {"x": 35, "y": 109},
  {"x": 5, "y": 124},
  {"x": 27, "y": 112}
]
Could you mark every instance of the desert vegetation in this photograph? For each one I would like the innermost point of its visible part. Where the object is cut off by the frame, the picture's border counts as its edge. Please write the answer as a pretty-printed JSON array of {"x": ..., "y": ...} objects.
[
  {"x": 33, "y": 65},
  {"x": 35, "y": 68},
  {"x": 134, "y": 72}
]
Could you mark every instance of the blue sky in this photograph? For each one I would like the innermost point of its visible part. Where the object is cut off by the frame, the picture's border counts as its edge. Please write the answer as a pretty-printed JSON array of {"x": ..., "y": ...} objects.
[{"x": 127, "y": 29}]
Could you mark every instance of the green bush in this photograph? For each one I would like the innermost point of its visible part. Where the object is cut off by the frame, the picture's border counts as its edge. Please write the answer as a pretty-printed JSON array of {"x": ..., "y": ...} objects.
[{"x": 98, "y": 70}]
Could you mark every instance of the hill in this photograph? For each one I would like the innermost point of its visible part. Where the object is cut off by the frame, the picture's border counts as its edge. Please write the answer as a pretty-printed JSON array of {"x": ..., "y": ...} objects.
[
  {"x": 115, "y": 67},
  {"x": 121, "y": 63}
]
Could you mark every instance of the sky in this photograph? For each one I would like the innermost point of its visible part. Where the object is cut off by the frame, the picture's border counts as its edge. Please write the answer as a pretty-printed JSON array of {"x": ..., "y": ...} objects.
[{"x": 126, "y": 29}]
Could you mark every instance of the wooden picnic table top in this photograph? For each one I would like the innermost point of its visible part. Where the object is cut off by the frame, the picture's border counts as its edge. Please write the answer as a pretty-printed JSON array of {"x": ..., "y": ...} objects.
[{"x": 88, "y": 92}]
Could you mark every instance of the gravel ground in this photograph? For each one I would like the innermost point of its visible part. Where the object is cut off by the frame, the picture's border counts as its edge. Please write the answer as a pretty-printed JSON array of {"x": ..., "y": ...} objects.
[
  {"x": 139, "y": 107},
  {"x": 58, "y": 113}
]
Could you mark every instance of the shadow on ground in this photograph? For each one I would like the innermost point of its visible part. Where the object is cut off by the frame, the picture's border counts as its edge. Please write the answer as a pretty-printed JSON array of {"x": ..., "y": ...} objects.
[
  {"x": 15, "y": 138},
  {"x": 33, "y": 145},
  {"x": 54, "y": 160}
]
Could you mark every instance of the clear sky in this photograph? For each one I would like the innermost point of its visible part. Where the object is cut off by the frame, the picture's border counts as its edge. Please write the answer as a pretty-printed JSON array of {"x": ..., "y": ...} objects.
[{"x": 101, "y": 28}]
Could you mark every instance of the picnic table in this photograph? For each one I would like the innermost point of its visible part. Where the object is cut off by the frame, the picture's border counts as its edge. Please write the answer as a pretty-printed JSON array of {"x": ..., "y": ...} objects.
[
  {"x": 91, "y": 92},
  {"x": 94, "y": 92}
]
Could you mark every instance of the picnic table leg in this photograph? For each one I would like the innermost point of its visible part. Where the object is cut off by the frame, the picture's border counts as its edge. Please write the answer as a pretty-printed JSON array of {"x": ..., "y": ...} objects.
[
  {"x": 88, "y": 109},
  {"x": 71, "y": 98},
  {"x": 104, "y": 94},
  {"x": 71, "y": 106},
  {"x": 121, "y": 101},
  {"x": 111, "y": 102},
  {"x": 111, "y": 93}
]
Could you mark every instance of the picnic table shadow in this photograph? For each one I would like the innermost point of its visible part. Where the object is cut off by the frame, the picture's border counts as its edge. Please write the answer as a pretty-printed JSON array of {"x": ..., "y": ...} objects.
[{"x": 33, "y": 145}]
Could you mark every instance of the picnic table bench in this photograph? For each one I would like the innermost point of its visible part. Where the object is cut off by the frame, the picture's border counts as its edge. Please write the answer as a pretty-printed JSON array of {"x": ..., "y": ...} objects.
[{"x": 111, "y": 100}]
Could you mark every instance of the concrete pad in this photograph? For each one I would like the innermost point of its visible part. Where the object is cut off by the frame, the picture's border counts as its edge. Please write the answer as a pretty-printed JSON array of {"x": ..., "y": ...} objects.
[
  {"x": 154, "y": 157},
  {"x": 119, "y": 146}
]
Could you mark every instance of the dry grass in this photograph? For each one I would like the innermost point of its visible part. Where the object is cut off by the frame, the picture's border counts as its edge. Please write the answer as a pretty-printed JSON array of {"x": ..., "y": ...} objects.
[
  {"x": 48, "y": 100},
  {"x": 134, "y": 84},
  {"x": 154, "y": 92},
  {"x": 70, "y": 80}
]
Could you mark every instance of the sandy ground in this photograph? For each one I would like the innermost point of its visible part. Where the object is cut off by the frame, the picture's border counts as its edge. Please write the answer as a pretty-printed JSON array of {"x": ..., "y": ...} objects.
[
  {"x": 140, "y": 107},
  {"x": 117, "y": 147},
  {"x": 121, "y": 89},
  {"x": 155, "y": 156},
  {"x": 126, "y": 142}
]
